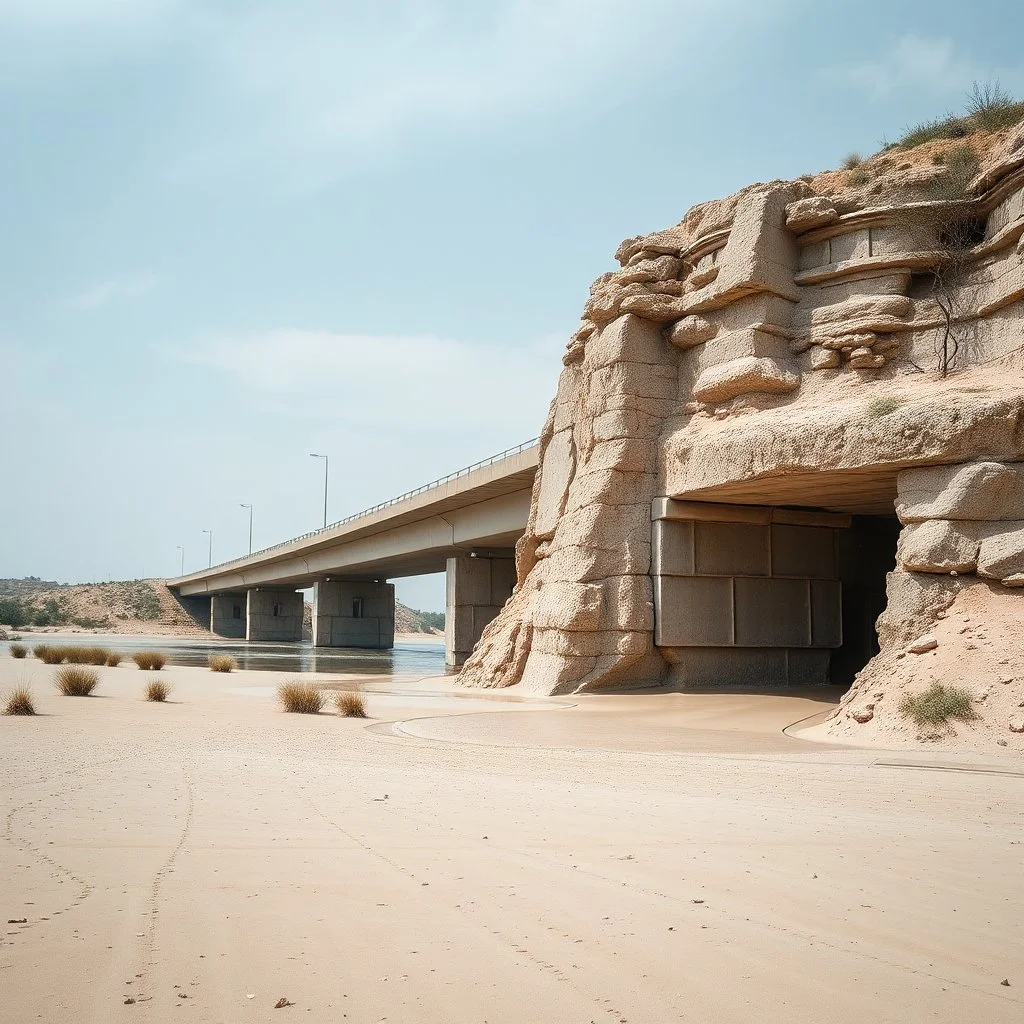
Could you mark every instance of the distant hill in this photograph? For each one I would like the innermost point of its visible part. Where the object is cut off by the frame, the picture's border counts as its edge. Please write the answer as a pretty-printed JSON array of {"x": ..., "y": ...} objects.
[{"x": 130, "y": 606}]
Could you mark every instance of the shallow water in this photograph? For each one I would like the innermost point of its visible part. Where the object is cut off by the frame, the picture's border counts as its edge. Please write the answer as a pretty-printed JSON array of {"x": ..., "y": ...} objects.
[{"x": 409, "y": 657}]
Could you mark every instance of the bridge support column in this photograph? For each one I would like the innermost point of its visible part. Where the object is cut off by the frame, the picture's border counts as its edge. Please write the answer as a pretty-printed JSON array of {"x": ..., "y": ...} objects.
[
  {"x": 477, "y": 588},
  {"x": 274, "y": 615},
  {"x": 228, "y": 614},
  {"x": 354, "y": 613}
]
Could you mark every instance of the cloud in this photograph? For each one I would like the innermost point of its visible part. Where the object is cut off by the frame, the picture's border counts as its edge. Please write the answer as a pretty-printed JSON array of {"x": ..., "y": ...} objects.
[
  {"x": 118, "y": 289},
  {"x": 332, "y": 87},
  {"x": 407, "y": 383},
  {"x": 912, "y": 62},
  {"x": 63, "y": 14}
]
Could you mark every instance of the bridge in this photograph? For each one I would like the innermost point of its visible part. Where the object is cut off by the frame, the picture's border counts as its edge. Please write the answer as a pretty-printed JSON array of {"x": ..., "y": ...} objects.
[{"x": 466, "y": 525}]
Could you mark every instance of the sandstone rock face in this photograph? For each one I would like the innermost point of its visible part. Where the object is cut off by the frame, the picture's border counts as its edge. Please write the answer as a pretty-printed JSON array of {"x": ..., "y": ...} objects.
[
  {"x": 937, "y": 546},
  {"x": 766, "y": 352}
]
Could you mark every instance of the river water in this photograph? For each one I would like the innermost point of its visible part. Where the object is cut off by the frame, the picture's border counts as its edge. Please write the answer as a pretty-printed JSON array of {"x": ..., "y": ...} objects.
[{"x": 409, "y": 657}]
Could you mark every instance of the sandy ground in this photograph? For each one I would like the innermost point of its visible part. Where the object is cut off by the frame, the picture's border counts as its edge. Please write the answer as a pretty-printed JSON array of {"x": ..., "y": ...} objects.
[{"x": 489, "y": 858}]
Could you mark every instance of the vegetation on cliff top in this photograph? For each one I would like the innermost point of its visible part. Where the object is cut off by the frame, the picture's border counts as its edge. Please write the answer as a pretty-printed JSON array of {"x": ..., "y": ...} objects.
[{"x": 989, "y": 108}]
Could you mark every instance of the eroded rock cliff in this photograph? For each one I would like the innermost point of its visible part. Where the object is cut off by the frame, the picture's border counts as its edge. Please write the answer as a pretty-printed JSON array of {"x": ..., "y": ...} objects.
[{"x": 784, "y": 371}]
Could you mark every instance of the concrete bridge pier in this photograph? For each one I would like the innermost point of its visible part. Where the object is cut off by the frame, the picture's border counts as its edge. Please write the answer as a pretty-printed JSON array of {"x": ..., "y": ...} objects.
[
  {"x": 477, "y": 586},
  {"x": 228, "y": 614},
  {"x": 354, "y": 613},
  {"x": 274, "y": 614}
]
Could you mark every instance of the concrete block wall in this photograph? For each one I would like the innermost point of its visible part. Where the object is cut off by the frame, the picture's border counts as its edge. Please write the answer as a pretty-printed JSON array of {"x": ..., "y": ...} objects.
[
  {"x": 354, "y": 613},
  {"x": 274, "y": 615},
  {"x": 746, "y": 594},
  {"x": 228, "y": 614},
  {"x": 476, "y": 590}
]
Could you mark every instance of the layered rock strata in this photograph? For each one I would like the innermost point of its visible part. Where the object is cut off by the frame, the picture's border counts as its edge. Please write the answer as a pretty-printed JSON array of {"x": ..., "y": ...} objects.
[{"x": 800, "y": 348}]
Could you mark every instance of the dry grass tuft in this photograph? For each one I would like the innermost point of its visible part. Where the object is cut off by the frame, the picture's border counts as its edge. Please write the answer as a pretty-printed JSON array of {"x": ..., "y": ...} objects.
[
  {"x": 114, "y": 658},
  {"x": 76, "y": 655},
  {"x": 19, "y": 702},
  {"x": 938, "y": 704},
  {"x": 852, "y": 160},
  {"x": 18, "y": 650},
  {"x": 76, "y": 680},
  {"x": 48, "y": 655},
  {"x": 351, "y": 705},
  {"x": 222, "y": 663},
  {"x": 151, "y": 661},
  {"x": 157, "y": 690},
  {"x": 300, "y": 698}
]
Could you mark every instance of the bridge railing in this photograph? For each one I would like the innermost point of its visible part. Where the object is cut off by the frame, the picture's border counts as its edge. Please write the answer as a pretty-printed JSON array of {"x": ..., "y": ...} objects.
[{"x": 483, "y": 463}]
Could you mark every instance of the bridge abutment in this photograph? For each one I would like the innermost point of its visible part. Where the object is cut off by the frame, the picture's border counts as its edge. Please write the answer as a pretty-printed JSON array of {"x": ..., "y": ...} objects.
[
  {"x": 354, "y": 613},
  {"x": 274, "y": 615},
  {"x": 228, "y": 614},
  {"x": 477, "y": 587}
]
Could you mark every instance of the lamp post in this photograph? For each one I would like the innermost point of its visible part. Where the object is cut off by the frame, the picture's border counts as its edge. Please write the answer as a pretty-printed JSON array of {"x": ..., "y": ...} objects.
[
  {"x": 313, "y": 455},
  {"x": 182, "y": 550},
  {"x": 249, "y": 507},
  {"x": 210, "y": 563}
]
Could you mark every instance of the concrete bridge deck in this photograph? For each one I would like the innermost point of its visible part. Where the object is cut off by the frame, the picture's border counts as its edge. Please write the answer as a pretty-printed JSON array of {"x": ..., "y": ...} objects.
[{"x": 465, "y": 524}]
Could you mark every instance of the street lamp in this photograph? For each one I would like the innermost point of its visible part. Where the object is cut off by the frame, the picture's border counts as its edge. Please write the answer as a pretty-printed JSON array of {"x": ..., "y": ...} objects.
[
  {"x": 313, "y": 455},
  {"x": 182, "y": 550},
  {"x": 249, "y": 507},
  {"x": 210, "y": 532}
]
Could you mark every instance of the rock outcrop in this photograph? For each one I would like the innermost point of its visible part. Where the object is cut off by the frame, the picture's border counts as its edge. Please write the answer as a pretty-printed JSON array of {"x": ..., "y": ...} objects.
[{"x": 754, "y": 396}]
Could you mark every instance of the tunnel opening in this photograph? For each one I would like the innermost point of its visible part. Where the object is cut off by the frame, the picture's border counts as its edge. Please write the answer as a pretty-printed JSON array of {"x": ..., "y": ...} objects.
[
  {"x": 866, "y": 555},
  {"x": 768, "y": 597}
]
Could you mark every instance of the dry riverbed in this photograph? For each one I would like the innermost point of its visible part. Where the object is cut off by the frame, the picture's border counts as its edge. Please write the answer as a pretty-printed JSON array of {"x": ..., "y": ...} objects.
[{"x": 483, "y": 857}]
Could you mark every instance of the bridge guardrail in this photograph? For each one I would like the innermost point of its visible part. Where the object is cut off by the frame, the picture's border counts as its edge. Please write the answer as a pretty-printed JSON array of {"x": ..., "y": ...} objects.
[{"x": 507, "y": 454}]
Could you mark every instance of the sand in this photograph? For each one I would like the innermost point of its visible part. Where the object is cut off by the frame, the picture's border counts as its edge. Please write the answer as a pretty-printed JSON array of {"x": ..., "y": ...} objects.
[{"x": 489, "y": 858}]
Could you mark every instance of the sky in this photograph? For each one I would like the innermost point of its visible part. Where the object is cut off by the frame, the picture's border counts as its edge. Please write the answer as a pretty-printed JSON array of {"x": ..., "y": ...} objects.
[{"x": 235, "y": 232}]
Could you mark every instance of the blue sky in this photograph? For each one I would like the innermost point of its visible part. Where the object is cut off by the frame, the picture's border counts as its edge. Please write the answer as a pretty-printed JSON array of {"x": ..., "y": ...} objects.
[{"x": 236, "y": 231}]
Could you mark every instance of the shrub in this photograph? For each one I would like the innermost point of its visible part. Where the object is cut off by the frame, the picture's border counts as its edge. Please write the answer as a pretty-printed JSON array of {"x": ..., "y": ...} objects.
[
  {"x": 852, "y": 160},
  {"x": 938, "y": 704},
  {"x": 49, "y": 655},
  {"x": 157, "y": 690},
  {"x": 990, "y": 107},
  {"x": 300, "y": 698},
  {"x": 150, "y": 660},
  {"x": 879, "y": 407},
  {"x": 222, "y": 663},
  {"x": 97, "y": 655},
  {"x": 75, "y": 655},
  {"x": 351, "y": 705},
  {"x": 114, "y": 658},
  {"x": 76, "y": 680},
  {"x": 859, "y": 176},
  {"x": 18, "y": 650},
  {"x": 19, "y": 702},
  {"x": 14, "y": 612}
]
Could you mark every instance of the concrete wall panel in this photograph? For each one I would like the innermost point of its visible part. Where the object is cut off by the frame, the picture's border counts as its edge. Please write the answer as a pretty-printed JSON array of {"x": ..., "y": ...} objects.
[
  {"x": 673, "y": 548},
  {"x": 731, "y": 549},
  {"x": 773, "y": 613},
  {"x": 807, "y": 552},
  {"x": 826, "y": 613},
  {"x": 695, "y": 611}
]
